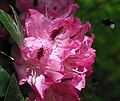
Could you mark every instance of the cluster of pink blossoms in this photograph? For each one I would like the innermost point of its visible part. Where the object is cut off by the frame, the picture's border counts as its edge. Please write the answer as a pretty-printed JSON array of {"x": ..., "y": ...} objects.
[{"x": 56, "y": 55}]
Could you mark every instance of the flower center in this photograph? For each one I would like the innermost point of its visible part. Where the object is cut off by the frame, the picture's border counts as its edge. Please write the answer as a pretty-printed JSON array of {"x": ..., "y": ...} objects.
[
  {"x": 56, "y": 32},
  {"x": 40, "y": 53}
]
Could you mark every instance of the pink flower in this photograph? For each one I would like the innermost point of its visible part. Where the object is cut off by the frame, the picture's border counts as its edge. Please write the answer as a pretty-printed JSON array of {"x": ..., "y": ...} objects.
[
  {"x": 55, "y": 52},
  {"x": 78, "y": 64},
  {"x": 75, "y": 79},
  {"x": 55, "y": 8},
  {"x": 36, "y": 50},
  {"x": 61, "y": 92},
  {"x": 83, "y": 55},
  {"x": 36, "y": 24},
  {"x": 57, "y": 92},
  {"x": 50, "y": 8},
  {"x": 31, "y": 62}
]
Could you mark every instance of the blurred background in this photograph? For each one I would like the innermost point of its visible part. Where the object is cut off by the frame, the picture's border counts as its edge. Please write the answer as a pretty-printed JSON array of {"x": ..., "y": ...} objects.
[{"x": 104, "y": 83}]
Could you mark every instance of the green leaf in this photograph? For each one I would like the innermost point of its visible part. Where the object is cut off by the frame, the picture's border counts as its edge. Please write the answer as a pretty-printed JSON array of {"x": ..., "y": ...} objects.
[
  {"x": 18, "y": 22},
  {"x": 11, "y": 26},
  {"x": 13, "y": 92},
  {"x": 4, "y": 80}
]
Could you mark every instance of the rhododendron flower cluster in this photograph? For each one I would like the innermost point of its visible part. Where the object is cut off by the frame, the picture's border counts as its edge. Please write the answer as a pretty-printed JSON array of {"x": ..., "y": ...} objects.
[{"x": 56, "y": 55}]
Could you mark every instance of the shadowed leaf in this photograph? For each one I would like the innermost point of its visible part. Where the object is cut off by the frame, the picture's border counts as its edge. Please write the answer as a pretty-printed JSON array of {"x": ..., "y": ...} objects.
[
  {"x": 13, "y": 92},
  {"x": 4, "y": 80}
]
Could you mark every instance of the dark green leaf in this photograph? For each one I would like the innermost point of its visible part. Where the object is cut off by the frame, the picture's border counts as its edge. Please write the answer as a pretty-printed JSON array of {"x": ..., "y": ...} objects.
[
  {"x": 11, "y": 26},
  {"x": 18, "y": 22},
  {"x": 25, "y": 89},
  {"x": 13, "y": 92},
  {"x": 4, "y": 80}
]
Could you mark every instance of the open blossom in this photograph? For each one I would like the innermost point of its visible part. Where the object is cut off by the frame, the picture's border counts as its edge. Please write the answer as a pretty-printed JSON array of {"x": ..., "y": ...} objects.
[
  {"x": 55, "y": 52},
  {"x": 36, "y": 50}
]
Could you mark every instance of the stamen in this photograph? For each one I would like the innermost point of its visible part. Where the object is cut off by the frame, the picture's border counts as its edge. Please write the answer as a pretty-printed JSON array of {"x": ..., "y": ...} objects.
[{"x": 46, "y": 10}]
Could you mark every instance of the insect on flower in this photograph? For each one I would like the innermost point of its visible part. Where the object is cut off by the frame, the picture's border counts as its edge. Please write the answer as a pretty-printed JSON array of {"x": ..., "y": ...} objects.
[{"x": 109, "y": 23}]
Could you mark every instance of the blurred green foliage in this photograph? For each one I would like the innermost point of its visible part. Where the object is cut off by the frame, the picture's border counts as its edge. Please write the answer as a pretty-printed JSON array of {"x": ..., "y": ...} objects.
[{"x": 104, "y": 83}]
